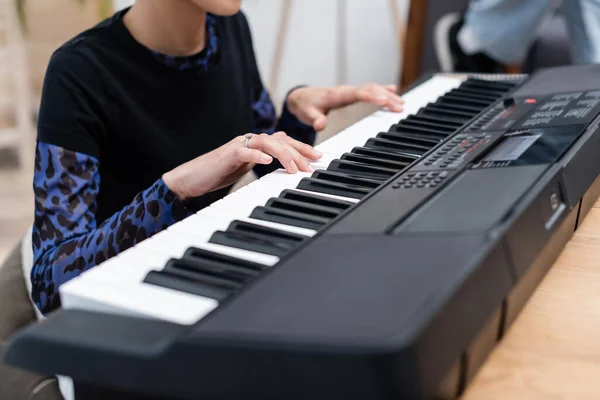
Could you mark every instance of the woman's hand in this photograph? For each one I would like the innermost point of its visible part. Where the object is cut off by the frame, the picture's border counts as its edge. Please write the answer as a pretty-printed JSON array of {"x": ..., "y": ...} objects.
[
  {"x": 225, "y": 165},
  {"x": 310, "y": 104}
]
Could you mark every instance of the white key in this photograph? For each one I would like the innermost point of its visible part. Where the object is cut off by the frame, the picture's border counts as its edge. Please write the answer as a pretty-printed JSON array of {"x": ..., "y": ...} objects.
[
  {"x": 221, "y": 214},
  {"x": 132, "y": 265},
  {"x": 225, "y": 215},
  {"x": 222, "y": 219},
  {"x": 281, "y": 227},
  {"x": 135, "y": 299},
  {"x": 233, "y": 205},
  {"x": 324, "y": 161},
  {"x": 282, "y": 176},
  {"x": 274, "y": 189},
  {"x": 265, "y": 188},
  {"x": 248, "y": 198},
  {"x": 330, "y": 196},
  {"x": 252, "y": 256},
  {"x": 174, "y": 244},
  {"x": 200, "y": 226},
  {"x": 263, "y": 191}
]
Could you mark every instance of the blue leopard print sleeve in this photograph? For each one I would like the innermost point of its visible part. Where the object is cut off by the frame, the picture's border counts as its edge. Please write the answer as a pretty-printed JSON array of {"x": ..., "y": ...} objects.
[{"x": 66, "y": 238}]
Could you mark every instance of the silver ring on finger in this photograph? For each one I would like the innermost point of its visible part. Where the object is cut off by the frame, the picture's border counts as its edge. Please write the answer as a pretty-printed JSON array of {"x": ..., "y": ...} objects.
[{"x": 248, "y": 136}]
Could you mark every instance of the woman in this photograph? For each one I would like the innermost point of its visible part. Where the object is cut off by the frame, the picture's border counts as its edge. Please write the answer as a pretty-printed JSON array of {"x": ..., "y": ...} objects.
[{"x": 141, "y": 124}]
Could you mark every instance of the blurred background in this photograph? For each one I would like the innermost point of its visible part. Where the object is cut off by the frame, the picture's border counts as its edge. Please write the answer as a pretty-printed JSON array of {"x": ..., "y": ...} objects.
[{"x": 313, "y": 42}]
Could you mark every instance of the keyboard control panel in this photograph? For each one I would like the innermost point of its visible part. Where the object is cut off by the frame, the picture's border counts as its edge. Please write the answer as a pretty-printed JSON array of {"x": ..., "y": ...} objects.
[
  {"x": 457, "y": 152},
  {"x": 420, "y": 180}
]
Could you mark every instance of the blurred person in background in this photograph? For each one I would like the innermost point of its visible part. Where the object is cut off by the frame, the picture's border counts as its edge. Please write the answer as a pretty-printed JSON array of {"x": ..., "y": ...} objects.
[{"x": 494, "y": 33}]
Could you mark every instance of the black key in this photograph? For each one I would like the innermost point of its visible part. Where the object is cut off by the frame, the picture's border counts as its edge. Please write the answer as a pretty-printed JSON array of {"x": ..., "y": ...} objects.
[
  {"x": 361, "y": 169},
  {"x": 392, "y": 145},
  {"x": 441, "y": 117},
  {"x": 339, "y": 177},
  {"x": 466, "y": 100},
  {"x": 448, "y": 128},
  {"x": 251, "y": 242},
  {"x": 288, "y": 217},
  {"x": 207, "y": 256},
  {"x": 495, "y": 85},
  {"x": 203, "y": 278},
  {"x": 379, "y": 162},
  {"x": 459, "y": 105},
  {"x": 334, "y": 188},
  {"x": 412, "y": 135},
  {"x": 217, "y": 270},
  {"x": 469, "y": 93},
  {"x": 452, "y": 109},
  {"x": 304, "y": 208},
  {"x": 447, "y": 114},
  {"x": 266, "y": 231},
  {"x": 384, "y": 155},
  {"x": 484, "y": 85},
  {"x": 474, "y": 94},
  {"x": 315, "y": 199},
  {"x": 432, "y": 135},
  {"x": 499, "y": 83},
  {"x": 485, "y": 91},
  {"x": 185, "y": 284},
  {"x": 434, "y": 122}
]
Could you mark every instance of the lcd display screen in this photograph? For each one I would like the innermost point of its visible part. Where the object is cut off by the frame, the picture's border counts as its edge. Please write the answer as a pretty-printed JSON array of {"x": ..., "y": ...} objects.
[
  {"x": 512, "y": 148},
  {"x": 530, "y": 146}
]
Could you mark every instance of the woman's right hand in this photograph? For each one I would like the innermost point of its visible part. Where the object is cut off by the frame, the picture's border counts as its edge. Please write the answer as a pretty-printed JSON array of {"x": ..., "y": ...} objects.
[{"x": 228, "y": 163}]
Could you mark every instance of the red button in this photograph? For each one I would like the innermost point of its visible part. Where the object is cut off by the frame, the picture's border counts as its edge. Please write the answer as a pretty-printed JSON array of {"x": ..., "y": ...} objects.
[{"x": 530, "y": 101}]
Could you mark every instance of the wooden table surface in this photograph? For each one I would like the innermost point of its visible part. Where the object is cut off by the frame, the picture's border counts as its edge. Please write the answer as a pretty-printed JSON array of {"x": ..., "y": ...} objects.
[{"x": 552, "y": 350}]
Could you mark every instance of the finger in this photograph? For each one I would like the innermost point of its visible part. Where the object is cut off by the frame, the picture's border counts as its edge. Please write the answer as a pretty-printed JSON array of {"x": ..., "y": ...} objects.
[
  {"x": 304, "y": 149},
  {"x": 317, "y": 118},
  {"x": 275, "y": 148},
  {"x": 373, "y": 94},
  {"x": 341, "y": 96},
  {"x": 395, "y": 103},
  {"x": 279, "y": 135},
  {"x": 246, "y": 155},
  {"x": 379, "y": 95},
  {"x": 344, "y": 95},
  {"x": 395, "y": 97},
  {"x": 297, "y": 162},
  {"x": 391, "y": 87},
  {"x": 320, "y": 123}
]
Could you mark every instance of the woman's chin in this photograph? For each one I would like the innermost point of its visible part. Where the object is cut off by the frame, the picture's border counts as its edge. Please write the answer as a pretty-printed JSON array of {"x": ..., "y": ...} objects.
[{"x": 219, "y": 7}]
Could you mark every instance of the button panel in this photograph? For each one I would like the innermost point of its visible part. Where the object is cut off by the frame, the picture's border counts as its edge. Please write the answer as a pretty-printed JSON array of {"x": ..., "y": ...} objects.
[
  {"x": 489, "y": 117},
  {"x": 458, "y": 151},
  {"x": 420, "y": 180}
]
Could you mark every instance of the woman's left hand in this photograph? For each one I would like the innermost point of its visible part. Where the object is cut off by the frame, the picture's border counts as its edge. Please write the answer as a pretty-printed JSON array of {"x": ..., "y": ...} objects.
[{"x": 311, "y": 104}]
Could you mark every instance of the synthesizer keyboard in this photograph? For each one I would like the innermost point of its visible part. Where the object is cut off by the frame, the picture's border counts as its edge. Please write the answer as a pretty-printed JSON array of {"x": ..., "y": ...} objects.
[{"x": 389, "y": 272}]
